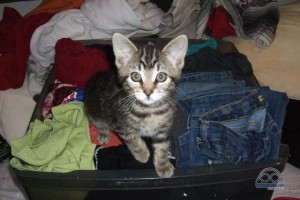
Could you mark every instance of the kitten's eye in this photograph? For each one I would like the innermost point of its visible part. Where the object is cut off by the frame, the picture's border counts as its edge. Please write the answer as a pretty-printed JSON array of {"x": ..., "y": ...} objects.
[
  {"x": 136, "y": 77},
  {"x": 161, "y": 77}
]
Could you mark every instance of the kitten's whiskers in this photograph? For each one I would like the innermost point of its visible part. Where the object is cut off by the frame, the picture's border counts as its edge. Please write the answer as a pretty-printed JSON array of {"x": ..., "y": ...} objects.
[{"x": 125, "y": 103}]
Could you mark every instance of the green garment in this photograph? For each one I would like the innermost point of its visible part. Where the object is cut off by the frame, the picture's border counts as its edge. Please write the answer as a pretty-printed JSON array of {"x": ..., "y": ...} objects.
[
  {"x": 58, "y": 145},
  {"x": 194, "y": 48}
]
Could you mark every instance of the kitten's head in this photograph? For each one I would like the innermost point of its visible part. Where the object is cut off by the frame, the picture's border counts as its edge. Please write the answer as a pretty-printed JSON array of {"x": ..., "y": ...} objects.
[{"x": 149, "y": 72}]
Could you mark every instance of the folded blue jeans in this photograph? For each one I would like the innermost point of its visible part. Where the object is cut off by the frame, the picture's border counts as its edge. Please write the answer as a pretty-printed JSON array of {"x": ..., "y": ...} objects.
[
  {"x": 205, "y": 76},
  {"x": 190, "y": 85},
  {"x": 231, "y": 125},
  {"x": 193, "y": 84}
]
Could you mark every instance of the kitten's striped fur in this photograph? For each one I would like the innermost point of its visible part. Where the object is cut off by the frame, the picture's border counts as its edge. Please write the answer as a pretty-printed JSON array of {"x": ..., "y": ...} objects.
[{"x": 137, "y": 101}]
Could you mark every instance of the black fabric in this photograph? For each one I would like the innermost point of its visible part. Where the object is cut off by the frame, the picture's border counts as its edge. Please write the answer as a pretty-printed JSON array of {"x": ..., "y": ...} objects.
[
  {"x": 5, "y": 151},
  {"x": 209, "y": 59},
  {"x": 118, "y": 158},
  {"x": 165, "y": 5}
]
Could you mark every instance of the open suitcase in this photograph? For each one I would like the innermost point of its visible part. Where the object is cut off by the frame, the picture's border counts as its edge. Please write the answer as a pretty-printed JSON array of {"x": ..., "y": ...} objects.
[{"x": 222, "y": 181}]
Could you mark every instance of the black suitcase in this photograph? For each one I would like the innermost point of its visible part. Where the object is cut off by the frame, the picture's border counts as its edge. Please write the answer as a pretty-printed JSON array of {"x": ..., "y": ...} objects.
[{"x": 224, "y": 181}]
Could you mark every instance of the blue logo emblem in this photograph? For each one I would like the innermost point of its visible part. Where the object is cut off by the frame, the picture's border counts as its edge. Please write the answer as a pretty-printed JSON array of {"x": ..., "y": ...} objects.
[{"x": 270, "y": 178}]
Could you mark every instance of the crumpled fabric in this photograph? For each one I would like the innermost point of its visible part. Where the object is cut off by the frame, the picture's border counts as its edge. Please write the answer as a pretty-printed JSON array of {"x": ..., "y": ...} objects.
[
  {"x": 15, "y": 35},
  {"x": 94, "y": 20},
  {"x": 56, "y": 96},
  {"x": 220, "y": 23},
  {"x": 58, "y": 145},
  {"x": 148, "y": 14},
  {"x": 182, "y": 18},
  {"x": 76, "y": 63},
  {"x": 254, "y": 20},
  {"x": 131, "y": 16}
]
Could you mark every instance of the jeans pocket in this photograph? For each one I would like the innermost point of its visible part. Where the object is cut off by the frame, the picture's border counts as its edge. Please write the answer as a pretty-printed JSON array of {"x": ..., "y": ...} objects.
[
  {"x": 213, "y": 144},
  {"x": 250, "y": 134}
]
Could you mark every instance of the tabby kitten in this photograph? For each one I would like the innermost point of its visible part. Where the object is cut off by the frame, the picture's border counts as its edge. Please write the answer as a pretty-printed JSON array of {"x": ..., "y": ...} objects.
[{"x": 137, "y": 101}]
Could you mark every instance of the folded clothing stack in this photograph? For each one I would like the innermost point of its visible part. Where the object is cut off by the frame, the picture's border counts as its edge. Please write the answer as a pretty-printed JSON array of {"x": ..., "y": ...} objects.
[{"x": 227, "y": 121}]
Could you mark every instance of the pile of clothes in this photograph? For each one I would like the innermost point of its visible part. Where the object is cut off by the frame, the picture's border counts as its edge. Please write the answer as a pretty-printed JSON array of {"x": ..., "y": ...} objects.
[{"x": 28, "y": 43}]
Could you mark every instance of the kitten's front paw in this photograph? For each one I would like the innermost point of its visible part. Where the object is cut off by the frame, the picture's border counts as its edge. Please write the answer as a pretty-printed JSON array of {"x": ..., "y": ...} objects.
[
  {"x": 165, "y": 171},
  {"x": 142, "y": 156},
  {"x": 103, "y": 138}
]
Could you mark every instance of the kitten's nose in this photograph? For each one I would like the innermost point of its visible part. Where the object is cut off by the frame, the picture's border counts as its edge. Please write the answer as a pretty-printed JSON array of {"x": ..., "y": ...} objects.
[{"x": 148, "y": 92}]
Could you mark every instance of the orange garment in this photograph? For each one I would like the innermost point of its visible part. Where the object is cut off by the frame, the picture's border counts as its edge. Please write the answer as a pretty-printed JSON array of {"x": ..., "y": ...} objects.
[{"x": 55, "y": 6}]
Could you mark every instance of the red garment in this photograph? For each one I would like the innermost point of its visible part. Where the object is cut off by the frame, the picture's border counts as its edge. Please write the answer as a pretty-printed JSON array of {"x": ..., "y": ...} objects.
[
  {"x": 75, "y": 63},
  {"x": 114, "y": 139},
  {"x": 220, "y": 23},
  {"x": 56, "y": 96},
  {"x": 15, "y": 36}
]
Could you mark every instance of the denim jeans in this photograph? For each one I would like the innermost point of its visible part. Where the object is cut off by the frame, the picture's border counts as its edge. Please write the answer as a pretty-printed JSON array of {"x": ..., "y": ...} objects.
[
  {"x": 230, "y": 123},
  {"x": 205, "y": 76},
  {"x": 193, "y": 84},
  {"x": 277, "y": 103},
  {"x": 190, "y": 85}
]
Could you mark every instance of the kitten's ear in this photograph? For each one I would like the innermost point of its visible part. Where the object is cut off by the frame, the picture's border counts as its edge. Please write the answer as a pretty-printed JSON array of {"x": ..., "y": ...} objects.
[
  {"x": 175, "y": 51},
  {"x": 123, "y": 49}
]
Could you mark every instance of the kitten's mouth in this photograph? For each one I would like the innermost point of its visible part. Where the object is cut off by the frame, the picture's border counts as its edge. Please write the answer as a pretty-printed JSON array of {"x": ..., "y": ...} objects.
[{"x": 147, "y": 100}]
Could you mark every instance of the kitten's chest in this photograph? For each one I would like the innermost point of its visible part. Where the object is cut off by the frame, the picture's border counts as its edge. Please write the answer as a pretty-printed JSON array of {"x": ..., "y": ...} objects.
[{"x": 151, "y": 124}]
